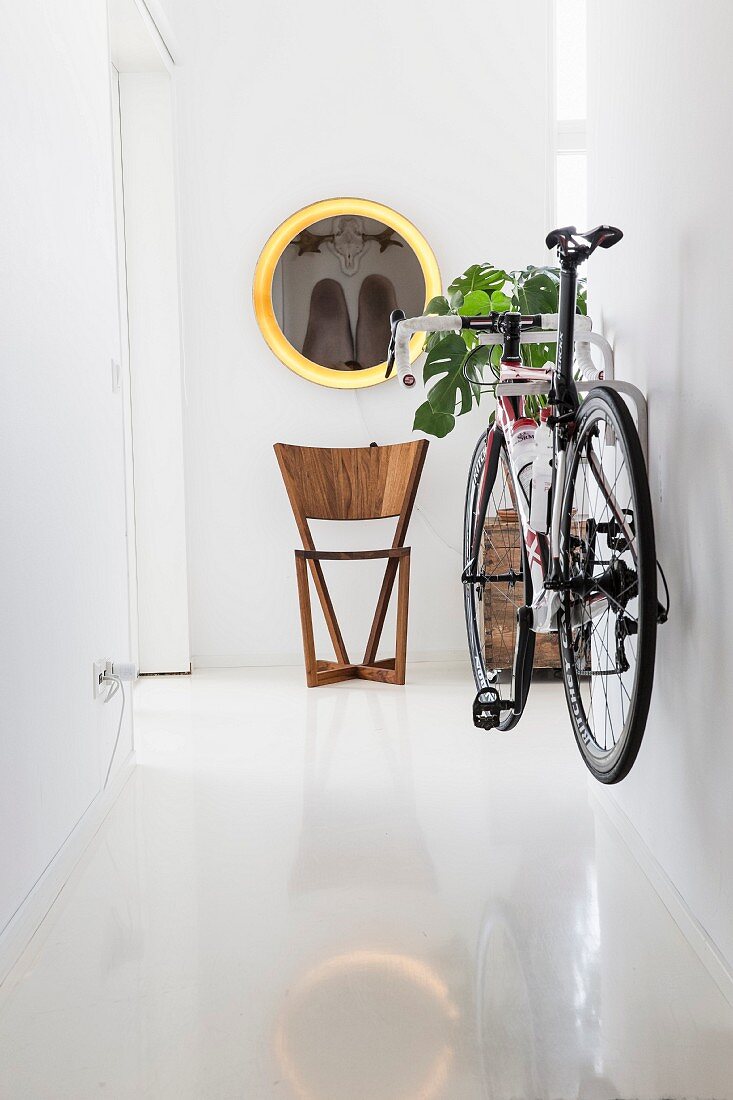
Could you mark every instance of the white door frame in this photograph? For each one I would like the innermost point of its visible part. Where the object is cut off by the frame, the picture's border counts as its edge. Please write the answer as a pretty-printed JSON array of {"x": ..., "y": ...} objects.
[
  {"x": 151, "y": 374},
  {"x": 121, "y": 370}
]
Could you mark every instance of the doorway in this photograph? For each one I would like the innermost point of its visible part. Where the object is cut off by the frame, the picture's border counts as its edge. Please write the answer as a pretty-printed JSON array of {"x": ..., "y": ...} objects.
[{"x": 150, "y": 373}]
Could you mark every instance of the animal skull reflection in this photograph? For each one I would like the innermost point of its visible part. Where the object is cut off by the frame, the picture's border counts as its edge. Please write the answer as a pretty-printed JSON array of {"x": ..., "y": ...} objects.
[{"x": 348, "y": 242}]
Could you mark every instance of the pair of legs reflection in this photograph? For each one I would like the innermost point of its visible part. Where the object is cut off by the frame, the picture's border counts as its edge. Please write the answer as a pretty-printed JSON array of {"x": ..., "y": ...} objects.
[{"x": 329, "y": 339}]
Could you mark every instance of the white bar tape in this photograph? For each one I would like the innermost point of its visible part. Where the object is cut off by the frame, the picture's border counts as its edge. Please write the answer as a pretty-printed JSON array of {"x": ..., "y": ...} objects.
[
  {"x": 583, "y": 360},
  {"x": 582, "y": 325},
  {"x": 405, "y": 329}
]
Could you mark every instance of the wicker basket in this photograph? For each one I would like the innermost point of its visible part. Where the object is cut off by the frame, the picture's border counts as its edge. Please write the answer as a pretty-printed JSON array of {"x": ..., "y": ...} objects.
[{"x": 499, "y": 614}]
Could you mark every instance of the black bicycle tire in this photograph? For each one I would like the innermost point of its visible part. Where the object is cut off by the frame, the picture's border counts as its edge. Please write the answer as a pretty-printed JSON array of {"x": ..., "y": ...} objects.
[
  {"x": 478, "y": 666},
  {"x": 623, "y": 425}
]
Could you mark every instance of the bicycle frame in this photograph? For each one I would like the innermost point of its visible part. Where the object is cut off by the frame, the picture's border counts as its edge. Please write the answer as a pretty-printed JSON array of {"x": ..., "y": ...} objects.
[
  {"x": 542, "y": 551},
  {"x": 563, "y": 590}
]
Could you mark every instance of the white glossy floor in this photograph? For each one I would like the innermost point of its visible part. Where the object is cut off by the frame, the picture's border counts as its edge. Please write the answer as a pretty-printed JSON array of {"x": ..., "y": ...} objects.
[{"x": 350, "y": 894}]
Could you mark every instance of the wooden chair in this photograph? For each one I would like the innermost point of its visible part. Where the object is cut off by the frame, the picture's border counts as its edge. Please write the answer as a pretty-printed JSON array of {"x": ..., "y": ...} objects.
[{"x": 348, "y": 484}]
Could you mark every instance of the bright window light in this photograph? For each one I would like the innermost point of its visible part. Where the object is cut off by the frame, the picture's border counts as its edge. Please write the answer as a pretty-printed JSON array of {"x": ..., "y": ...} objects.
[
  {"x": 571, "y": 187},
  {"x": 570, "y": 53}
]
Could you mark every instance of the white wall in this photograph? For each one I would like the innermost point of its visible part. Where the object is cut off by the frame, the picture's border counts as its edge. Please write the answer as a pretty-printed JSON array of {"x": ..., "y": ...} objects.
[
  {"x": 63, "y": 591},
  {"x": 282, "y": 104},
  {"x": 660, "y": 168}
]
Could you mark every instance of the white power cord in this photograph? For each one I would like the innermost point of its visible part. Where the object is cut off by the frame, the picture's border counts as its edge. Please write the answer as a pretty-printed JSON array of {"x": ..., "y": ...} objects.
[{"x": 115, "y": 685}]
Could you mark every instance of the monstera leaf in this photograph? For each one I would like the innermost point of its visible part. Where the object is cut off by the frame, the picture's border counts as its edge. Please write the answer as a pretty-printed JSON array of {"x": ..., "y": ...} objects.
[
  {"x": 474, "y": 365},
  {"x": 476, "y": 303},
  {"x": 500, "y": 301},
  {"x": 537, "y": 291},
  {"x": 478, "y": 277},
  {"x": 432, "y": 423},
  {"x": 445, "y": 363},
  {"x": 439, "y": 306}
]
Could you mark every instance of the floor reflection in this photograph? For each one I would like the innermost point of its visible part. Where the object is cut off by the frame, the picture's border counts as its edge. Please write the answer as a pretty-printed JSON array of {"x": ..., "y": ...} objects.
[
  {"x": 505, "y": 1028},
  {"x": 367, "y": 1015},
  {"x": 373, "y": 1002},
  {"x": 359, "y": 830},
  {"x": 350, "y": 894}
]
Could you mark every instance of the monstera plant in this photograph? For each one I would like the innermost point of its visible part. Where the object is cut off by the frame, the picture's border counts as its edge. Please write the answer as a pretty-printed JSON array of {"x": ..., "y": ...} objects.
[{"x": 481, "y": 289}]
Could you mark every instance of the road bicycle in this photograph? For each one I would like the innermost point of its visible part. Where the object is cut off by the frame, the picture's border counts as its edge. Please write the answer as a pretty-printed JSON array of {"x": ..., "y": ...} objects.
[{"x": 563, "y": 548}]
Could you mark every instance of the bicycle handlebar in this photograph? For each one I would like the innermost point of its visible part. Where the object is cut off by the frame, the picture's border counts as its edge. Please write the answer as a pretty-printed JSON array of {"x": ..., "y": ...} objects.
[{"x": 404, "y": 327}]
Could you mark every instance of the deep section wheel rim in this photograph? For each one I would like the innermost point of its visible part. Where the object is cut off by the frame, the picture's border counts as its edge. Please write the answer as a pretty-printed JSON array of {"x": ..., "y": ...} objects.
[
  {"x": 605, "y": 618},
  {"x": 492, "y": 605}
]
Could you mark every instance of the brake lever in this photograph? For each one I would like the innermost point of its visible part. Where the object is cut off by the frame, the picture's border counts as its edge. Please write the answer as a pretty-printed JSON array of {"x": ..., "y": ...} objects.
[{"x": 395, "y": 317}]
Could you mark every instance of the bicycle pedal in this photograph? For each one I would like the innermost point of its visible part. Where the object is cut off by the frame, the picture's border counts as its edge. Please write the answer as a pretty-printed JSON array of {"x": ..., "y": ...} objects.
[{"x": 487, "y": 708}]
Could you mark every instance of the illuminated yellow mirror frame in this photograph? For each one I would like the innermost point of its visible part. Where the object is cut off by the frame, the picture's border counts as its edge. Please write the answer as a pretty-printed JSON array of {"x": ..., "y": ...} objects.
[{"x": 273, "y": 250}]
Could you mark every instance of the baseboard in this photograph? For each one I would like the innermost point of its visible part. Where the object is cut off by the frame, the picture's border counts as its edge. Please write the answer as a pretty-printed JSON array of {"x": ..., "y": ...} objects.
[
  {"x": 293, "y": 660},
  {"x": 699, "y": 940},
  {"x": 17, "y": 935}
]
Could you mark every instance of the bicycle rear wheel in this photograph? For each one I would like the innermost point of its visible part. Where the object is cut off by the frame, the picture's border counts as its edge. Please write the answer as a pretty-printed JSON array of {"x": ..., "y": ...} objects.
[
  {"x": 608, "y": 618},
  {"x": 491, "y": 605}
]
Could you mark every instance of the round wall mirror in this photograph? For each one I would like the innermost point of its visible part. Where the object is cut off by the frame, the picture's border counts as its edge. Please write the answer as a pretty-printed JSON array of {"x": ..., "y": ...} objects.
[{"x": 327, "y": 281}]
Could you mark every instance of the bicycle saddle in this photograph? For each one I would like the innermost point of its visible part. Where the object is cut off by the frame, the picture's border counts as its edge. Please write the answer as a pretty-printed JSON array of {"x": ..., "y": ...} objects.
[{"x": 570, "y": 243}]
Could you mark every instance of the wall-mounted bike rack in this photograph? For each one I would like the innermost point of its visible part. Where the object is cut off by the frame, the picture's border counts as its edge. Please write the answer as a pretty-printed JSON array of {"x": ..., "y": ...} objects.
[{"x": 519, "y": 389}]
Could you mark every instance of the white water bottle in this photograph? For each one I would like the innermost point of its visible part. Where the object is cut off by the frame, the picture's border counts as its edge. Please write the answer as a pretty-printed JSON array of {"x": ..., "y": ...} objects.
[
  {"x": 521, "y": 448},
  {"x": 541, "y": 475}
]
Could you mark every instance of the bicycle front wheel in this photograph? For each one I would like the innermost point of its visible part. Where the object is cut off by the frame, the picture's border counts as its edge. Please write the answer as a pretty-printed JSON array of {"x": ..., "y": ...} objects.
[
  {"x": 608, "y": 619},
  {"x": 502, "y": 583}
]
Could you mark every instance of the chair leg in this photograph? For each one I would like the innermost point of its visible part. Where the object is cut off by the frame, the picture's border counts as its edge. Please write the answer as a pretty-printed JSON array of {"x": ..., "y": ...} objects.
[
  {"x": 380, "y": 614},
  {"x": 329, "y": 614},
  {"x": 390, "y": 671},
  {"x": 306, "y": 622},
  {"x": 403, "y": 599}
]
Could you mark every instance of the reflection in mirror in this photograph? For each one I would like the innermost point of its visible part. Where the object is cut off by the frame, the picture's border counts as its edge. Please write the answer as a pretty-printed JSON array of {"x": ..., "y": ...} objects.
[
  {"x": 327, "y": 280},
  {"x": 335, "y": 285}
]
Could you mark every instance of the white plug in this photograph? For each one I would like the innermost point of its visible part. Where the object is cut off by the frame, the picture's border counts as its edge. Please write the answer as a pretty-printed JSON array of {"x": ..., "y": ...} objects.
[
  {"x": 123, "y": 670},
  {"x": 104, "y": 670}
]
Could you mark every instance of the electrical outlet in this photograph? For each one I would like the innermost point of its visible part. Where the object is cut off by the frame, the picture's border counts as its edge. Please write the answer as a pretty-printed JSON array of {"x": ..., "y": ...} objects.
[{"x": 98, "y": 669}]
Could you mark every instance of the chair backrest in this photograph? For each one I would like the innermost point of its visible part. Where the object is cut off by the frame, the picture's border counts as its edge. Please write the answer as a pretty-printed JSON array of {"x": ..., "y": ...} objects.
[{"x": 351, "y": 482}]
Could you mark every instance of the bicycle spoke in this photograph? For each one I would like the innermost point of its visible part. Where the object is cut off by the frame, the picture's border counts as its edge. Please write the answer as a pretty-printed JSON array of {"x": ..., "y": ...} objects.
[{"x": 601, "y": 477}]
